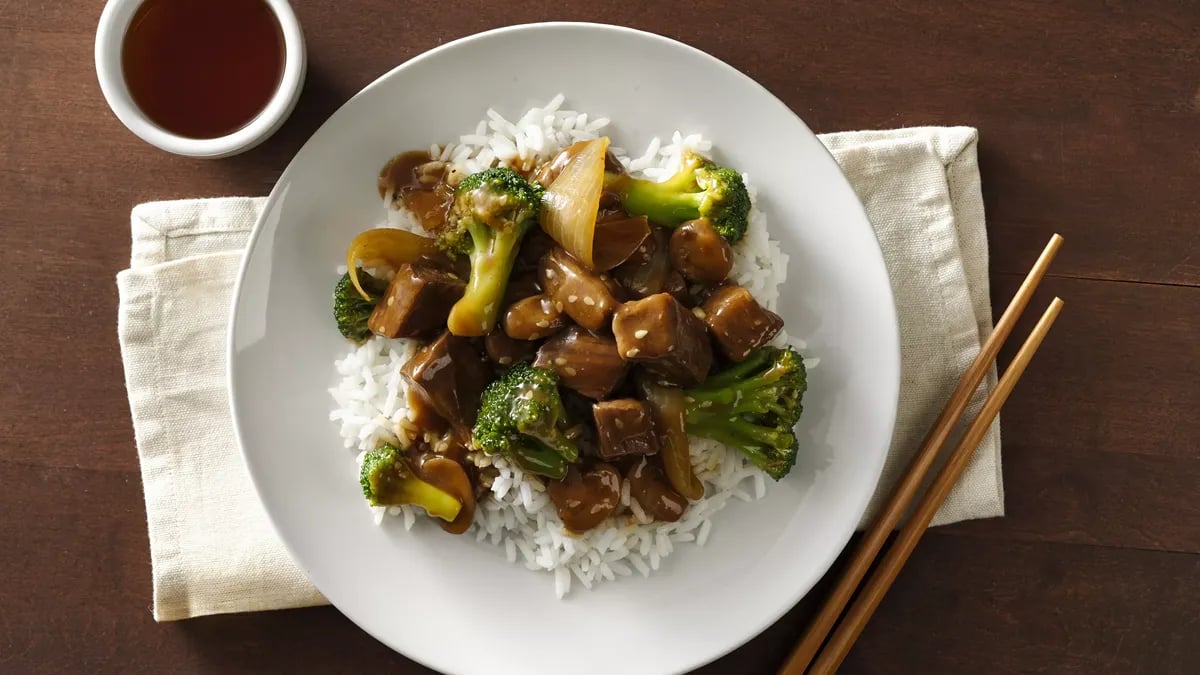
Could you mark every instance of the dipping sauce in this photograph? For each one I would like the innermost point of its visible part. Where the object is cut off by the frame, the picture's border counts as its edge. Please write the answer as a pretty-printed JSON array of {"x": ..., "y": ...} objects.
[{"x": 203, "y": 68}]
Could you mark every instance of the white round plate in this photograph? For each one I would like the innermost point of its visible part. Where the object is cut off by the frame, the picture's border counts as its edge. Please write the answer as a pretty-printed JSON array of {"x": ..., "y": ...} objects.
[{"x": 456, "y": 605}]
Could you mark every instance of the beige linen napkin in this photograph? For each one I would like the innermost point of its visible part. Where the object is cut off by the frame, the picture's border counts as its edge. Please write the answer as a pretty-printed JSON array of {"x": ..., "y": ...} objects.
[{"x": 211, "y": 546}]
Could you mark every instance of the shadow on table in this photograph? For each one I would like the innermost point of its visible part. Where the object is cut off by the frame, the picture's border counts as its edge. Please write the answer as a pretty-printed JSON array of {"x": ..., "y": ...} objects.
[{"x": 314, "y": 639}]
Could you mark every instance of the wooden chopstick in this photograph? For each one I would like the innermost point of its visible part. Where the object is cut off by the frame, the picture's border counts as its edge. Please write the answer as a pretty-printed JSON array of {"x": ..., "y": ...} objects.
[
  {"x": 906, "y": 489},
  {"x": 881, "y": 579}
]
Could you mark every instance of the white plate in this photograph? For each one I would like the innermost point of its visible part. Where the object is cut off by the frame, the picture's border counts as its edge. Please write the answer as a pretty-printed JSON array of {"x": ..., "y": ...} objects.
[{"x": 456, "y": 605}]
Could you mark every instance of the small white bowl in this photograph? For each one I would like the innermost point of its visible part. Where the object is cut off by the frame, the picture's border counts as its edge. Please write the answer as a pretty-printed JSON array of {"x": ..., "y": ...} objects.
[{"x": 110, "y": 36}]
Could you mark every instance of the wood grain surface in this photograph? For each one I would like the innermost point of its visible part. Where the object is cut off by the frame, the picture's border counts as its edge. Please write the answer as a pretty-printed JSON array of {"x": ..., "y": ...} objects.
[{"x": 1089, "y": 115}]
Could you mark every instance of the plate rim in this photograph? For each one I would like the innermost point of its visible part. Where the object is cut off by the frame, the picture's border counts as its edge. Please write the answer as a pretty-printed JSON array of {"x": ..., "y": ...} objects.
[{"x": 893, "y": 390}]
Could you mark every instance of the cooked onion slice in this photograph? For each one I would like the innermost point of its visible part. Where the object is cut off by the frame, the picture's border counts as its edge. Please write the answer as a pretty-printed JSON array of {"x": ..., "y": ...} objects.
[
  {"x": 572, "y": 201},
  {"x": 386, "y": 246},
  {"x": 667, "y": 405},
  {"x": 616, "y": 240}
]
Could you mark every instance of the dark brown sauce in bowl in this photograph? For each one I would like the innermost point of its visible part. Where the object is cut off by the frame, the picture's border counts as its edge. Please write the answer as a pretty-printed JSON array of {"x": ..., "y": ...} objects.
[{"x": 203, "y": 68}]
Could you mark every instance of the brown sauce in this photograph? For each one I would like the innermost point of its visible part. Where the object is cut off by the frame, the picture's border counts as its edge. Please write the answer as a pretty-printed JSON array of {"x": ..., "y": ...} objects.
[
  {"x": 203, "y": 68},
  {"x": 423, "y": 417},
  {"x": 450, "y": 476},
  {"x": 452, "y": 446},
  {"x": 418, "y": 182}
]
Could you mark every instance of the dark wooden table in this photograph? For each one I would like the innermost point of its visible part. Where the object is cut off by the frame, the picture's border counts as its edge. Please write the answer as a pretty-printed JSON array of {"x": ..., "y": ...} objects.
[{"x": 1089, "y": 115}]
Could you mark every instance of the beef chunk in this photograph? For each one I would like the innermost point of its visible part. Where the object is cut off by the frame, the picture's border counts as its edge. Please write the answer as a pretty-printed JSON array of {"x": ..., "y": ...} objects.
[
  {"x": 580, "y": 293},
  {"x": 533, "y": 318},
  {"x": 737, "y": 322},
  {"x": 417, "y": 302},
  {"x": 450, "y": 375},
  {"x": 624, "y": 427},
  {"x": 653, "y": 492},
  {"x": 505, "y": 351},
  {"x": 521, "y": 285},
  {"x": 677, "y": 288},
  {"x": 645, "y": 272},
  {"x": 699, "y": 253},
  {"x": 585, "y": 362},
  {"x": 663, "y": 336}
]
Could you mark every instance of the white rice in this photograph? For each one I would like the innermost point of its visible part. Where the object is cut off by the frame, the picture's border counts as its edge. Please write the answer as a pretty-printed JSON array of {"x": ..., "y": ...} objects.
[{"x": 370, "y": 399}]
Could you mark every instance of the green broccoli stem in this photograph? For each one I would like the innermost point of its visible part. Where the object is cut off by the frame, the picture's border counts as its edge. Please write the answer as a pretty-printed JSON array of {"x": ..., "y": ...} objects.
[
  {"x": 662, "y": 203},
  {"x": 750, "y": 439},
  {"x": 436, "y": 502},
  {"x": 554, "y": 439},
  {"x": 739, "y": 432},
  {"x": 757, "y": 396},
  {"x": 493, "y": 254},
  {"x": 736, "y": 391},
  {"x": 734, "y": 374},
  {"x": 752, "y": 406},
  {"x": 543, "y": 460},
  {"x": 387, "y": 479}
]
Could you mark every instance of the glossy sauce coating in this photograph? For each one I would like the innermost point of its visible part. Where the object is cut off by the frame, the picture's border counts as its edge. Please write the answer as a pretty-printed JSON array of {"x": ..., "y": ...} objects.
[
  {"x": 417, "y": 181},
  {"x": 585, "y": 499},
  {"x": 447, "y": 474},
  {"x": 649, "y": 486},
  {"x": 699, "y": 253}
]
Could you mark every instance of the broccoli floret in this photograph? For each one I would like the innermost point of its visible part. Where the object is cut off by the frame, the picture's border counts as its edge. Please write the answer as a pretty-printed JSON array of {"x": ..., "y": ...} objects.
[
  {"x": 350, "y": 310},
  {"x": 521, "y": 416},
  {"x": 388, "y": 480},
  {"x": 753, "y": 406},
  {"x": 491, "y": 213},
  {"x": 700, "y": 189}
]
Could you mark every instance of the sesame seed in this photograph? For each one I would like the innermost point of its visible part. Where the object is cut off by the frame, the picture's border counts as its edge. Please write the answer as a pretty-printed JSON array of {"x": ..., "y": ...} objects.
[
  {"x": 571, "y": 372},
  {"x": 549, "y": 274},
  {"x": 560, "y": 361},
  {"x": 620, "y": 423},
  {"x": 640, "y": 333},
  {"x": 699, "y": 313},
  {"x": 589, "y": 301},
  {"x": 631, "y": 353},
  {"x": 572, "y": 298},
  {"x": 671, "y": 348},
  {"x": 543, "y": 324},
  {"x": 505, "y": 360},
  {"x": 558, "y": 306},
  {"x": 391, "y": 300}
]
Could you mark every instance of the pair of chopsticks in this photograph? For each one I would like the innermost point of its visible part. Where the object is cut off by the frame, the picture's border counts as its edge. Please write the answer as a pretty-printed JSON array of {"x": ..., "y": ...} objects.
[{"x": 825, "y": 661}]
